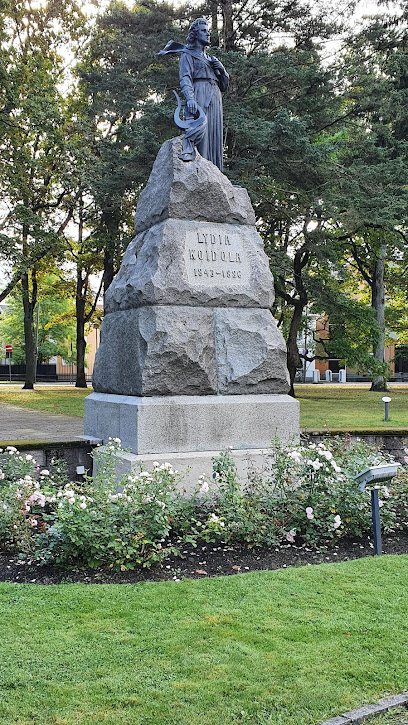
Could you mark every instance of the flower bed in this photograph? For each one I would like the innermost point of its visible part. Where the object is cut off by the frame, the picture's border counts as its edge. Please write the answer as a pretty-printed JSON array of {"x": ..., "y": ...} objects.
[{"x": 304, "y": 496}]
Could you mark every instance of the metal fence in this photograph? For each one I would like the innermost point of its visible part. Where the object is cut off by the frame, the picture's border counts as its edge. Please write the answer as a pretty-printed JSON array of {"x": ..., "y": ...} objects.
[{"x": 45, "y": 374}]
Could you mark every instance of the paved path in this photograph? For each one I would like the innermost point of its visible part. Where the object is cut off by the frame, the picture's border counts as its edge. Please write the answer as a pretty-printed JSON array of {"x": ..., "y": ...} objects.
[{"x": 22, "y": 424}]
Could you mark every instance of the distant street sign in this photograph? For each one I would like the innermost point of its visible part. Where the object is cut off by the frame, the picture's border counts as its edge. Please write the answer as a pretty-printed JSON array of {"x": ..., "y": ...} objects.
[{"x": 9, "y": 352}]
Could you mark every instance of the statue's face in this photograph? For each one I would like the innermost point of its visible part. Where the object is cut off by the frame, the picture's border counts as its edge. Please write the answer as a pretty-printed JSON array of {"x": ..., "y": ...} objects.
[{"x": 203, "y": 34}]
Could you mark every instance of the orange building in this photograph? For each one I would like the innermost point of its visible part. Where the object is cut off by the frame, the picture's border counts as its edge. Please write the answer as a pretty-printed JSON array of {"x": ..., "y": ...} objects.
[
  {"x": 395, "y": 356},
  {"x": 66, "y": 368}
]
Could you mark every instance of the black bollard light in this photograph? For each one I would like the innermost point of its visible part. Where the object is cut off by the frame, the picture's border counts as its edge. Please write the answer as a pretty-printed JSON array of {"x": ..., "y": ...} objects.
[
  {"x": 386, "y": 400},
  {"x": 375, "y": 512}
]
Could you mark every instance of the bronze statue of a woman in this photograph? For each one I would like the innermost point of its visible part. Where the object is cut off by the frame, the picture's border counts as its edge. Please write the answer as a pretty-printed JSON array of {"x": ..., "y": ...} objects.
[{"x": 202, "y": 79}]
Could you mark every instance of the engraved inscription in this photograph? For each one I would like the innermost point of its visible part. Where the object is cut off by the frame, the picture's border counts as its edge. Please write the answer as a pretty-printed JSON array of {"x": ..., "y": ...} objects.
[{"x": 216, "y": 258}]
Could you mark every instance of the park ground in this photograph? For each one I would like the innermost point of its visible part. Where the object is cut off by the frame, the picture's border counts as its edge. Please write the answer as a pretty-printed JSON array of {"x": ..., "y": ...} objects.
[
  {"x": 183, "y": 646},
  {"x": 289, "y": 647},
  {"x": 324, "y": 407}
]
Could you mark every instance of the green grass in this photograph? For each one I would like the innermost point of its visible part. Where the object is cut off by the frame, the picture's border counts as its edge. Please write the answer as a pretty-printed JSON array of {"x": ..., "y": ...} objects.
[
  {"x": 14, "y": 381},
  {"x": 395, "y": 717},
  {"x": 289, "y": 647},
  {"x": 351, "y": 408},
  {"x": 68, "y": 401}
]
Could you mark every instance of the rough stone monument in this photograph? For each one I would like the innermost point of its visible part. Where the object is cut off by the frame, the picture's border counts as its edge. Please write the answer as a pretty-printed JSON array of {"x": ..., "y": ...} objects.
[{"x": 191, "y": 361}]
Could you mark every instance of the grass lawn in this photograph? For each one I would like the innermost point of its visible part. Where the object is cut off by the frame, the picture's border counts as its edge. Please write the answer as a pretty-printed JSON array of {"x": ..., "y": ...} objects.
[
  {"x": 67, "y": 400},
  {"x": 288, "y": 647},
  {"x": 351, "y": 408},
  {"x": 395, "y": 717},
  {"x": 348, "y": 408}
]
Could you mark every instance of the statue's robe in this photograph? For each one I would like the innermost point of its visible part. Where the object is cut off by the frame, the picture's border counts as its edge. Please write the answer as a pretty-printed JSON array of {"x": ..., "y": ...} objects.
[{"x": 201, "y": 82}]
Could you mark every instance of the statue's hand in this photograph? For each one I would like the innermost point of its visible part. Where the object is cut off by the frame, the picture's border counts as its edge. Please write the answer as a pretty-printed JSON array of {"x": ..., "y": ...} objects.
[
  {"x": 217, "y": 65},
  {"x": 192, "y": 106}
]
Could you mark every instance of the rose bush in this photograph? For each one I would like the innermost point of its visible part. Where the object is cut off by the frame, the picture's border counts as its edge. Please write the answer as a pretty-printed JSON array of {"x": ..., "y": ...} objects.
[
  {"x": 304, "y": 495},
  {"x": 100, "y": 522},
  {"x": 307, "y": 494}
]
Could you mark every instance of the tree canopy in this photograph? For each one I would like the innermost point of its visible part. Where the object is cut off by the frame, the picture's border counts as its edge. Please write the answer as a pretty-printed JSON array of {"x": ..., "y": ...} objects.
[{"x": 320, "y": 143}]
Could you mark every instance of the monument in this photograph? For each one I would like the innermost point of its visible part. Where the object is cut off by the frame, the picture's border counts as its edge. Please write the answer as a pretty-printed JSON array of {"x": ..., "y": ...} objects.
[
  {"x": 191, "y": 360},
  {"x": 202, "y": 79}
]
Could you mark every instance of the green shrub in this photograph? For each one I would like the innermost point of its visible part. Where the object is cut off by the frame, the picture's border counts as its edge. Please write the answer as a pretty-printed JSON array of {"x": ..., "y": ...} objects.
[
  {"x": 99, "y": 522},
  {"x": 304, "y": 496}
]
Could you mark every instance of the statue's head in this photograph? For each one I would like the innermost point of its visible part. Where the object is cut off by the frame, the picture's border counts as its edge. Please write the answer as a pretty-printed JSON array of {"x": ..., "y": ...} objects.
[{"x": 199, "y": 31}]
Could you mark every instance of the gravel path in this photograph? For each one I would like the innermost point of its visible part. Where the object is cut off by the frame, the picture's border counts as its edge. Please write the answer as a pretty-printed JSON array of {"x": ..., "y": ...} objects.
[{"x": 21, "y": 424}]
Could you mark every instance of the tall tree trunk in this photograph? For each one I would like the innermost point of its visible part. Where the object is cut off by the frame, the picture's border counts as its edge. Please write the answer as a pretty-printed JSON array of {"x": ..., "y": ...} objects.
[
  {"x": 228, "y": 26},
  {"x": 29, "y": 302},
  {"x": 215, "y": 38},
  {"x": 29, "y": 342},
  {"x": 110, "y": 221},
  {"x": 379, "y": 382},
  {"x": 299, "y": 303},
  {"x": 80, "y": 302},
  {"x": 80, "y": 335},
  {"x": 293, "y": 357}
]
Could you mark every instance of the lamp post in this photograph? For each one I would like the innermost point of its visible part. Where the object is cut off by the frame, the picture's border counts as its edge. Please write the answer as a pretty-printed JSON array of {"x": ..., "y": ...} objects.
[
  {"x": 386, "y": 400},
  {"x": 377, "y": 474}
]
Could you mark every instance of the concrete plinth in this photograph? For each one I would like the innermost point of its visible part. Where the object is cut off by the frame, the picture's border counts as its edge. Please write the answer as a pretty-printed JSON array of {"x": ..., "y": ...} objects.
[
  {"x": 190, "y": 465},
  {"x": 196, "y": 423}
]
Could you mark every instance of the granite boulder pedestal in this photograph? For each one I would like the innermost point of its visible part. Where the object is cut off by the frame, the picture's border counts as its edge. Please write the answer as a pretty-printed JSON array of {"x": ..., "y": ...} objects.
[{"x": 191, "y": 360}]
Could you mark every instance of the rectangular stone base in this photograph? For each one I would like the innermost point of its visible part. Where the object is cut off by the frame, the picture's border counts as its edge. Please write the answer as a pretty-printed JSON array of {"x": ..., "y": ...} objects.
[
  {"x": 190, "y": 465},
  {"x": 184, "y": 423}
]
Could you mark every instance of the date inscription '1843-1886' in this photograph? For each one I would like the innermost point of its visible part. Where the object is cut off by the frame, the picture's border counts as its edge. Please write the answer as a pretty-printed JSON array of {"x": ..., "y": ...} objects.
[{"x": 216, "y": 258}]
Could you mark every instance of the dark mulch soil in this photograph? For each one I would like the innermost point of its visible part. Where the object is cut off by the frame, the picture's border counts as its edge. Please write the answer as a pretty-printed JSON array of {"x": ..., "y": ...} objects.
[{"x": 206, "y": 560}]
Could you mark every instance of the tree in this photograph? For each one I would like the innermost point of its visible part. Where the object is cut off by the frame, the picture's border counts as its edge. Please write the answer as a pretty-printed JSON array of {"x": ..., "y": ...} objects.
[
  {"x": 56, "y": 321},
  {"x": 118, "y": 127},
  {"x": 87, "y": 261},
  {"x": 33, "y": 132},
  {"x": 396, "y": 309},
  {"x": 348, "y": 325},
  {"x": 254, "y": 27},
  {"x": 126, "y": 114},
  {"x": 278, "y": 147},
  {"x": 372, "y": 195},
  {"x": 338, "y": 171}
]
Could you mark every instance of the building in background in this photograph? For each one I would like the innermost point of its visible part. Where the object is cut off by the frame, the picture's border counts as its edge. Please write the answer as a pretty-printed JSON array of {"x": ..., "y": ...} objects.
[
  {"x": 66, "y": 367},
  {"x": 395, "y": 355}
]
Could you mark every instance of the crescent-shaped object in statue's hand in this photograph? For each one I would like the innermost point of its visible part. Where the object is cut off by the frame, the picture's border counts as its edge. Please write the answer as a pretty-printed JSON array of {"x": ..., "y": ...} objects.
[{"x": 190, "y": 123}]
